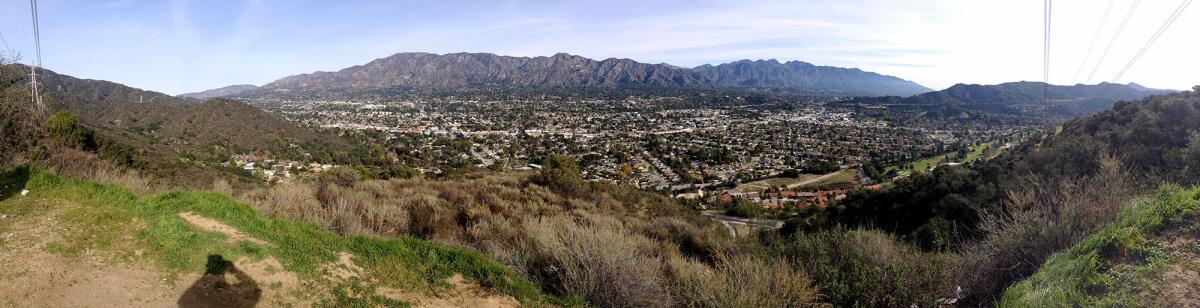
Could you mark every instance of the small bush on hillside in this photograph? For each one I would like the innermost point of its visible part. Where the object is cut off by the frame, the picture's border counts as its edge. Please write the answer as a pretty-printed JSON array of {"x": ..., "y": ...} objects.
[
  {"x": 743, "y": 208},
  {"x": 65, "y": 128},
  {"x": 741, "y": 281},
  {"x": 606, "y": 266},
  {"x": 561, "y": 173},
  {"x": 861, "y": 268}
]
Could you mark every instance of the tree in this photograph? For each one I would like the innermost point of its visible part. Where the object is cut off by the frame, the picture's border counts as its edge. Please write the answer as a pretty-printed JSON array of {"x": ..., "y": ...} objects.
[
  {"x": 560, "y": 172},
  {"x": 65, "y": 128}
]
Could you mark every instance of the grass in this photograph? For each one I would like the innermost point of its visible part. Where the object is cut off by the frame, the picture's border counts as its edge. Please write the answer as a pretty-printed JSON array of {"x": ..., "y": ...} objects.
[
  {"x": 1073, "y": 277},
  {"x": 976, "y": 152},
  {"x": 102, "y": 216},
  {"x": 837, "y": 177},
  {"x": 761, "y": 185}
]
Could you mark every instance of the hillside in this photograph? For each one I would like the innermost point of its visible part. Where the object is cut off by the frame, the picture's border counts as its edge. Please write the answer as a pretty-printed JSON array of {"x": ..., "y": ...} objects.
[
  {"x": 219, "y": 92},
  {"x": 152, "y": 118},
  {"x": 802, "y": 75},
  {"x": 459, "y": 70},
  {"x": 155, "y": 130},
  {"x": 71, "y": 243},
  {"x": 1022, "y": 98},
  {"x": 1007, "y": 215},
  {"x": 1147, "y": 257}
]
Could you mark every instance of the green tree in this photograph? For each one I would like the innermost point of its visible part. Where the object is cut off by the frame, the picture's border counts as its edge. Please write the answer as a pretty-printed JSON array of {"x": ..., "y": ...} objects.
[
  {"x": 560, "y": 172},
  {"x": 65, "y": 128}
]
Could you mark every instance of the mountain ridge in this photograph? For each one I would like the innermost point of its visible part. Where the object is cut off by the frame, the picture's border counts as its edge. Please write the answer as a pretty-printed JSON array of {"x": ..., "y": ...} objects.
[
  {"x": 457, "y": 70},
  {"x": 1022, "y": 97}
]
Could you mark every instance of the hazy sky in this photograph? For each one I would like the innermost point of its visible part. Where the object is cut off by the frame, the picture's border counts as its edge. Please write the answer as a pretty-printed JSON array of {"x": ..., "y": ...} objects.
[{"x": 182, "y": 46}]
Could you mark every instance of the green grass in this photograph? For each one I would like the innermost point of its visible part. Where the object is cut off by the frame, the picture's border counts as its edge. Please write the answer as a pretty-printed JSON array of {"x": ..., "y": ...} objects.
[
  {"x": 1070, "y": 277},
  {"x": 977, "y": 152},
  {"x": 103, "y": 216}
]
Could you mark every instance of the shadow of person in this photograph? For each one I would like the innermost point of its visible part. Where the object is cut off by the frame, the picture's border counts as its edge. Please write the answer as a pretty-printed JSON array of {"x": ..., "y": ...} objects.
[
  {"x": 217, "y": 289},
  {"x": 13, "y": 182}
]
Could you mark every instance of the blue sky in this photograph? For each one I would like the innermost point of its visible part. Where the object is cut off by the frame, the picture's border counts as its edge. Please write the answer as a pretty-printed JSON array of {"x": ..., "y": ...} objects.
[{"x": 182, "y": 46}]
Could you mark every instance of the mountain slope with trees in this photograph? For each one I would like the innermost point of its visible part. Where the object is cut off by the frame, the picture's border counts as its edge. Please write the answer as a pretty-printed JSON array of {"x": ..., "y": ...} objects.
[
  {"x": 168, "y": 136},
  {"x": 1020, "y": 98},
  {"x": 220, "y": 92}
]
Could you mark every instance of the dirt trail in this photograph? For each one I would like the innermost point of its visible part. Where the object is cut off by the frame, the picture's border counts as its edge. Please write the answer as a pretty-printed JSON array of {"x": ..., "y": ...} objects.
[
  {"x": 462, "y": 294},
  {"x": 32, "y": 276},
  {"x": 206, "y": 224}
]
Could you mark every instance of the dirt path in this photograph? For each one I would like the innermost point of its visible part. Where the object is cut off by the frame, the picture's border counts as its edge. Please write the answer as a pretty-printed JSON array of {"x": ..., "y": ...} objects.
[{"x": 33, "y": 277}]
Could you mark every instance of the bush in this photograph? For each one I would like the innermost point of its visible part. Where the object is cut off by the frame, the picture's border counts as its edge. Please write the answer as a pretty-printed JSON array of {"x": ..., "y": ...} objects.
[
  {"x": 741, "y": 281},
  {"x": 743, "y": 208},
  {"x": 606, "y": 266},
  {"x": 561, "y": 173},
  {"x": 64, "y": 127},
  {"x": 863, "y": 268}
]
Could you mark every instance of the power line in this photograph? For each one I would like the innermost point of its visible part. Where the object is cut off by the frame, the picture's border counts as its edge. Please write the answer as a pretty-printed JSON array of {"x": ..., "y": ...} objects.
[
  {"x": 1047, "y": 16},
  {"x": 37, "y": 43},
  {"x": 5, "y": 42},
  {"x": 1162, "y": 29},
  {"x": 1095, "y": 37},
  {"x": 37, "y": 35},
  {"x": 1116, "y": 35}
]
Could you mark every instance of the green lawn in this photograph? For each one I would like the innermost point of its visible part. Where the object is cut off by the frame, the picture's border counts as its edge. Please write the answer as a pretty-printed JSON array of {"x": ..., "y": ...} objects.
[
  {"x": 976, "y": 152},
  {"x": 103, "y": 216}
]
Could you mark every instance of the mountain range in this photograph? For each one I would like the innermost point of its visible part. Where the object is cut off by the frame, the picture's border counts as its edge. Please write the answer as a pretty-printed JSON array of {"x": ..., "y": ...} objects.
[
  {"x": 459, "y": 70},
  {"x": 1022, "y": 98},
  {"x": 219, "y": 92}
]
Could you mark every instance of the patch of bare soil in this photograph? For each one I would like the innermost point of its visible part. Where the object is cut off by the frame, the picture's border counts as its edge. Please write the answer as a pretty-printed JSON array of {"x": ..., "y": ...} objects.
[
  {"x": 206, "y": 224},
  {"x": 33, "y": 277},
  {"x": 1181, "y": 282},
  {"x": 344, "y": 269},
  {"x": 462, "y": 294}
]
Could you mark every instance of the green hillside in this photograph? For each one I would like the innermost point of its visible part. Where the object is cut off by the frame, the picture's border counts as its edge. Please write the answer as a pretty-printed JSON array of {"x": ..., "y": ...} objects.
[{"x": 1149, "y": 256}]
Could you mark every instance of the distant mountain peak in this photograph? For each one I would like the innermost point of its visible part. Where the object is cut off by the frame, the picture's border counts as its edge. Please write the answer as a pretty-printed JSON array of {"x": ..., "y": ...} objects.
[{"x": 220, "y": 92}]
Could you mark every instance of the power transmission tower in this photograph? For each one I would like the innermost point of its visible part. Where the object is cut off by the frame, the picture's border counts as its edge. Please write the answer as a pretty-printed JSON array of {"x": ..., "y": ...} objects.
[{"x": 37, "y": 41}]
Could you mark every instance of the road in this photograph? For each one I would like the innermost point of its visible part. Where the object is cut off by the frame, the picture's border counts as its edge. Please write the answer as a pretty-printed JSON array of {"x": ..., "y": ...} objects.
[{"x": 732, "y": 223}]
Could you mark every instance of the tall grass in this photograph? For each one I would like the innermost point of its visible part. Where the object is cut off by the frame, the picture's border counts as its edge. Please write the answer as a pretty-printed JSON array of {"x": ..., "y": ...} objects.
[
  {"x": 1072, "y": 277},
  {"x": 1038, "y": 220}
]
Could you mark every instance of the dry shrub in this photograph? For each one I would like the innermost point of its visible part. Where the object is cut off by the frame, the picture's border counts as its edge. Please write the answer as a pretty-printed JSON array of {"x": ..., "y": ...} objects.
[
  {"x": 597, "y": 247},
  {"x": 220, "y": 185},
  {"x": 291, "y": 200},
  {"x": 128, "y": 178},
  {"x": 1038, "y": 220},
  {"x": 870, "y": 268},
  {"x": 606, "y": 266},
  {"x": 741, "y": 281}
]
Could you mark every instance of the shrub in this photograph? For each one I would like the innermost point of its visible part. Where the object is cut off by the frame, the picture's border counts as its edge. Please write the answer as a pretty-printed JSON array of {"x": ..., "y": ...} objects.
[
  {"x": 741, "y": 281},
  {"x": 65, "y": 128},
  {"x": 561, "y": 173},
  {"x": 606, "y": 266},
  {"x": 870, "y": 268}
]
